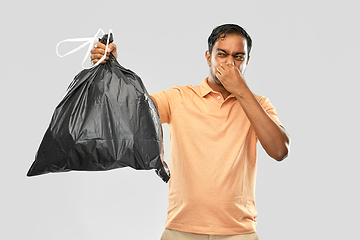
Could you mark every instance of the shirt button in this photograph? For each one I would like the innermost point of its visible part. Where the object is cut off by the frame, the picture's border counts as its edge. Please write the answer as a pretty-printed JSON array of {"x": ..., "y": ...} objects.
[{"x": 219, "y": 97}]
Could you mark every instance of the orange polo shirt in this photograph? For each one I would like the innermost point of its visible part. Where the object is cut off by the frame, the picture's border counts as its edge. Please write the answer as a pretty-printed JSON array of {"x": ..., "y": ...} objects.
[{"x": 213, "y": 160}]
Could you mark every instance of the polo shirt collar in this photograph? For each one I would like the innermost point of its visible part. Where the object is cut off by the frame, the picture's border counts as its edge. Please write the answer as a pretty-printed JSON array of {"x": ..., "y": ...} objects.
[{"x": 205, "y": 89}]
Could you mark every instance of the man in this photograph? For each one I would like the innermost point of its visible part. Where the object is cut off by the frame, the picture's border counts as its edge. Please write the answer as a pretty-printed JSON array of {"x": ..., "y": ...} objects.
[{"x": 214, "y": 130}]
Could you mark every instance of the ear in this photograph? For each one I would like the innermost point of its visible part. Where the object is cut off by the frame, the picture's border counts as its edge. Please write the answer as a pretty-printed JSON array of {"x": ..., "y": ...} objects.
[{"x": 208, "y": 57}]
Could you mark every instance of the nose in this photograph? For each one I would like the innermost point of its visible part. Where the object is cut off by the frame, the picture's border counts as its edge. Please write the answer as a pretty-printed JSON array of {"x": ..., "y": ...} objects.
[{"x": 230, "y": 60}]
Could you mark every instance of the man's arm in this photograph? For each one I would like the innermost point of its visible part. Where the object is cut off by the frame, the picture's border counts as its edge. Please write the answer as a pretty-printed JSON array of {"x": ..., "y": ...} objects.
[{"x": 272, "y": 137}]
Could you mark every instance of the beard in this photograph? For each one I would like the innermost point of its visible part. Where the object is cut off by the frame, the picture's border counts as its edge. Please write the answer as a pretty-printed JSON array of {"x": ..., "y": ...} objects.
[{"x": 213, "y": 75}]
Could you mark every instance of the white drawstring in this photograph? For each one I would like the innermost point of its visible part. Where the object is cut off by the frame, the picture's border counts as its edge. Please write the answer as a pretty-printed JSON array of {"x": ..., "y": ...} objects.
[{"x": 91, "y": 41}]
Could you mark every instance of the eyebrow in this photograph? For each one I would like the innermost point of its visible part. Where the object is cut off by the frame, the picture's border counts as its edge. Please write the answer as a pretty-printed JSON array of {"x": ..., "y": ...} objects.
[{"x": 219, "y": 49}]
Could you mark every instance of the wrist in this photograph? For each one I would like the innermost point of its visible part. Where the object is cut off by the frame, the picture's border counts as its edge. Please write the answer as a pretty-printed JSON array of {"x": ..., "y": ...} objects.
[{"x": 243, "y": 93}]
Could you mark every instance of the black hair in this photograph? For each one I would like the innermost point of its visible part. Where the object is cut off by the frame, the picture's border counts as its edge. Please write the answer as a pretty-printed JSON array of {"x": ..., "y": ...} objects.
[{"x": 221, "y": 32}]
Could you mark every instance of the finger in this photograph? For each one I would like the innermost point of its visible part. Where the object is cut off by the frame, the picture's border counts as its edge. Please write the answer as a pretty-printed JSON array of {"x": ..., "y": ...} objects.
[
  {"x": 98, "y": 51},
  {"x": 222, "y": 66},
  {"x": 94, "y": 61},
  {"x": 100, "y": 45},
  {"x": 112, "y": 47},
  {"x": 218, "y": 74},
  {"x": 219, "y": 79},
  {"x": 225, "y": 66},
  {"x": 98, "y": 48},
  {"x": 220, "y": 69},
  {"x": 109, "y": 49},
  {"x": 96, "y": 56},
  {"x": 230, "y": 66}
]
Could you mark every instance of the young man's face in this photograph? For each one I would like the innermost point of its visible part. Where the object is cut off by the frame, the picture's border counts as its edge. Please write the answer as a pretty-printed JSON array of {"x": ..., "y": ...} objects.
[{"x": 231, "y": 50}]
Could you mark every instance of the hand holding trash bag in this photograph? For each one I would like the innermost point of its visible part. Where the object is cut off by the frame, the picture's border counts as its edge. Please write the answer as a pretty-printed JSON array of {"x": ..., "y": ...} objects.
[
  {"x": 99, "y": 50},
  {"x": 106, "y": 120}
]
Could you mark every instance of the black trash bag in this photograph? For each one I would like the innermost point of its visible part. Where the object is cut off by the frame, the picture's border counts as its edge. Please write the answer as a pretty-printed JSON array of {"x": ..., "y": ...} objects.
[{"x": 106, "y": 120}]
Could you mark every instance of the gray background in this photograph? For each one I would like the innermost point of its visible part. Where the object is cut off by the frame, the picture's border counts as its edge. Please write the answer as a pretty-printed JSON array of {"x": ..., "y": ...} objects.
[{"x": 305, "y": 59}]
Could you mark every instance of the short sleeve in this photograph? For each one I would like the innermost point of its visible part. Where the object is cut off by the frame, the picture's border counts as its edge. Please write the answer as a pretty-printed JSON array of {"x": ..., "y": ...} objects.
[
  {"x": 166, "y": 101},
  {"x": 269, "y": 108}
]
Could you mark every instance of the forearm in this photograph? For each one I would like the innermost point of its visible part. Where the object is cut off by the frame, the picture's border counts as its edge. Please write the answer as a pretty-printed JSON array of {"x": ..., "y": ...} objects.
[{"x": 272, "y": 137}]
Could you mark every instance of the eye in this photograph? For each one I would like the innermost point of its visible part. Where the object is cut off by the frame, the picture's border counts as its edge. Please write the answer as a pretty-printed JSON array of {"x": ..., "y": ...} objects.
[
  {"x": 240, "y": 57},
  {"x": 220, "y": 54}
]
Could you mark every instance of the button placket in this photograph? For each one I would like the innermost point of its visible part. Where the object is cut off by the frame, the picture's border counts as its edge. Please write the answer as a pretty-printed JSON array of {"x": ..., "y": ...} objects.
[{"x": 220, "y": 98}]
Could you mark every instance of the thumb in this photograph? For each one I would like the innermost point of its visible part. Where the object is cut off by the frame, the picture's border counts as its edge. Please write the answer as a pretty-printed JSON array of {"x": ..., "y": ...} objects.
[{"x": 112, "y": 49}]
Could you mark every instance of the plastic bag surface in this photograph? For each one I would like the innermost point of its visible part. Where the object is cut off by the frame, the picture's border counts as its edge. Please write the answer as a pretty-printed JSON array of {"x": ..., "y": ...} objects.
[{"x": 106, "y": 120}]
